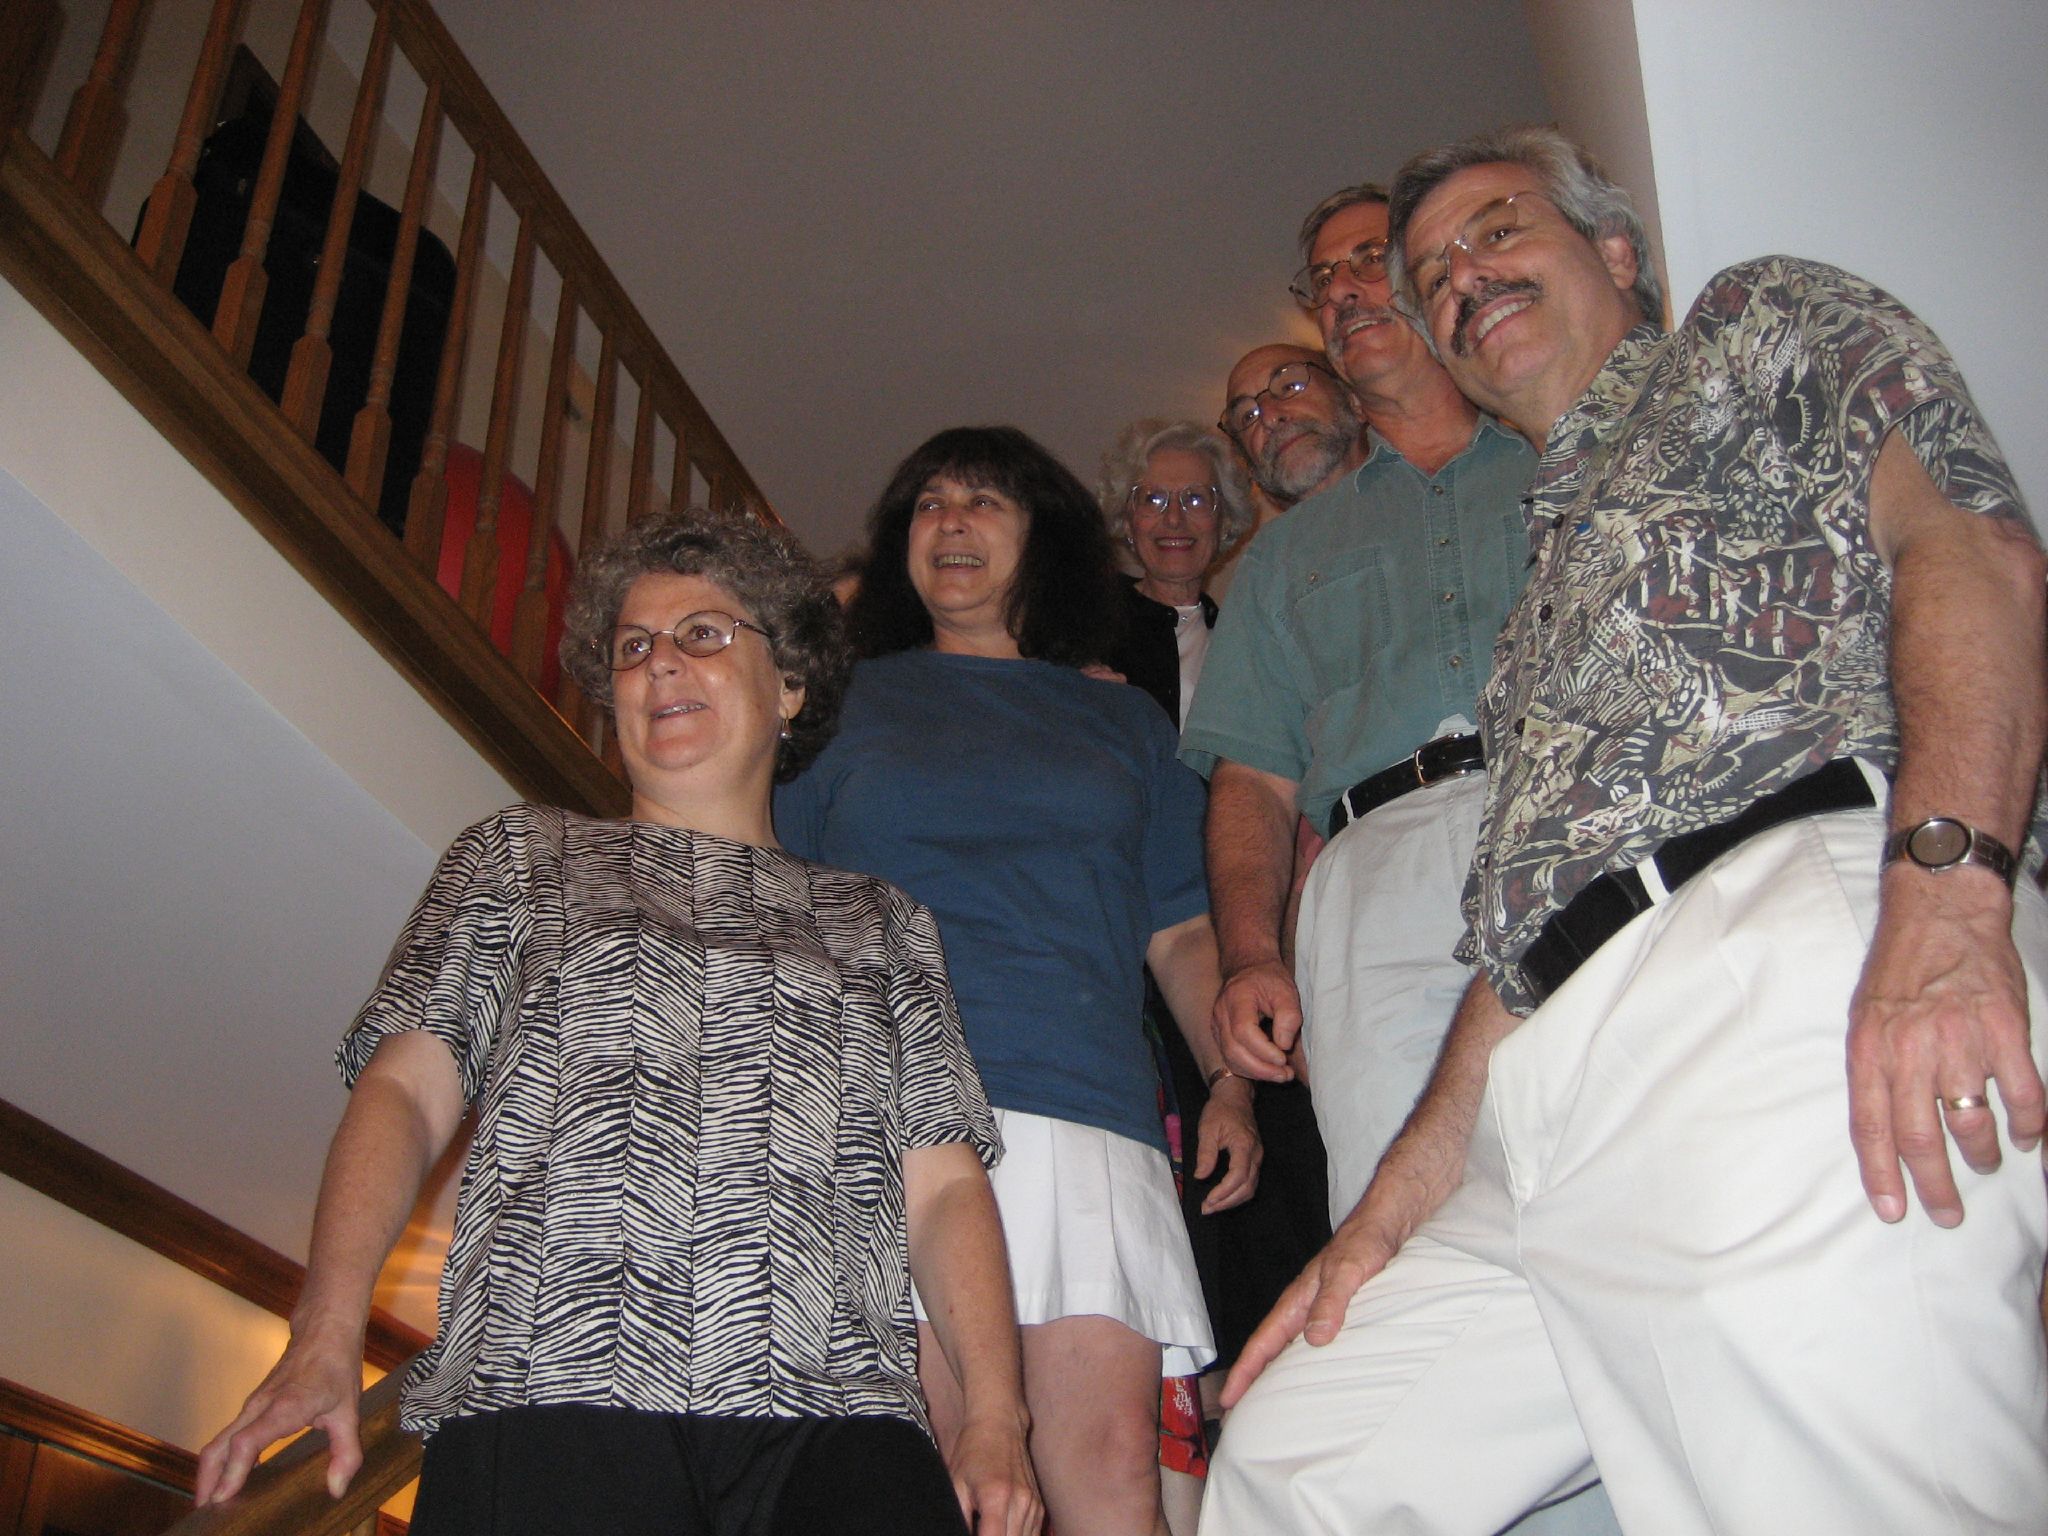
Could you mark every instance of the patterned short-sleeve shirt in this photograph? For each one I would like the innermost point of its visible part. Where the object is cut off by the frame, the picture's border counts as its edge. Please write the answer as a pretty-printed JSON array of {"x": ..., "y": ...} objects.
[
  {"x": 694, "y": 1065},
  {"x": 1707, "y": 617}
]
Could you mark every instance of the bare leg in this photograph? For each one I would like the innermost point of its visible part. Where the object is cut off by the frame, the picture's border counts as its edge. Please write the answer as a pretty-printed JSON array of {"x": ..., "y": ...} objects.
[
  {"x": 1181, "y": 1494},
  {"x": 1093, "y": 1389}
]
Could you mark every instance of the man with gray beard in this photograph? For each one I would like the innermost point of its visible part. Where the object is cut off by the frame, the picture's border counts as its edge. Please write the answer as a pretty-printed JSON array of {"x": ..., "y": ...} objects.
[
  {"x": 1341, "y": 683},
  {"x": 1306, "y": 432}
]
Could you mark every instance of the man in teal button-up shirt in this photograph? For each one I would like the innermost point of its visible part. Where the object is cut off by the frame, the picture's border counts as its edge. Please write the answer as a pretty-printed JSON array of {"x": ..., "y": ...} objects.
[{"x": 1357, "y": 629}]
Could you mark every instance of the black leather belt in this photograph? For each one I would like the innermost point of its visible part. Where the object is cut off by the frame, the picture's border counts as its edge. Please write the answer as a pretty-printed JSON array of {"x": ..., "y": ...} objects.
[
  {"x": 1604, "y": 908},
  {"x": 1433, "y": 760}
]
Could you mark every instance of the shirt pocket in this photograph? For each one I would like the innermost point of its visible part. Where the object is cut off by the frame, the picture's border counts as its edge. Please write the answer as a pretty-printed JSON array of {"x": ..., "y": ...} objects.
[{"x": 1345, "y": 624}]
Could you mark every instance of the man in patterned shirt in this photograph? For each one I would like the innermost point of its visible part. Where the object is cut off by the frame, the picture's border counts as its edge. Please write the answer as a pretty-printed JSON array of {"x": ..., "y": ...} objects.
[{"x": 1767, "y": 726}]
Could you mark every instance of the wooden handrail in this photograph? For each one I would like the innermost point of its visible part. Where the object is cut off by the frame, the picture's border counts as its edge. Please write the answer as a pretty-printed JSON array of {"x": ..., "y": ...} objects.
[
  {"x": 288, "y": 1492},
  {"x": 322, "y": 507}
]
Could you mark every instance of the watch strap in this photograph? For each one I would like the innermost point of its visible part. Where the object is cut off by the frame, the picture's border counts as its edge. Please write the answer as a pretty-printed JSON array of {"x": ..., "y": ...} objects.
[{"x": 1978, "y": 848}]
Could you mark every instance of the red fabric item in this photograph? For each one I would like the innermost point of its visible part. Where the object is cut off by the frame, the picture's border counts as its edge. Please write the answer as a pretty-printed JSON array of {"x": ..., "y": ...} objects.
[
  {"x": 1182, "y": 1445},
  {"x": 464, "y": 475}
]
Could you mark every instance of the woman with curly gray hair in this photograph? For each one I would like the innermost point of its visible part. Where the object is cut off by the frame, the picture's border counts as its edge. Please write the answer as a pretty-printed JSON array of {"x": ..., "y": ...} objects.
[
  {"x": 710, "y": 1083},
  {"x": 1174, "y": 497}
]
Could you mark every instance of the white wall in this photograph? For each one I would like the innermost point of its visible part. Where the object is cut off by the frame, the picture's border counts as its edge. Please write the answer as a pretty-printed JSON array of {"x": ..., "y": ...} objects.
[
  {"x": 106, "y": 1325},
  {"x": 1593, "y": 80},
  {"x": 1906, "y": 140}
]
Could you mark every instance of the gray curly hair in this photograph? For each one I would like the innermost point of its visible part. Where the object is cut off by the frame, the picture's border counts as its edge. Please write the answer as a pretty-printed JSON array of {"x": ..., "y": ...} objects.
[
  {"x": 1124, "y": 466},
  {"x": 763, "y": 567},
  {"x": 1572, "y": 179}
]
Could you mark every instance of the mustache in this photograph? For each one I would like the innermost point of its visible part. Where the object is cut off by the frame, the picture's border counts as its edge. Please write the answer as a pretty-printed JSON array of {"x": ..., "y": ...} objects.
[
  {"x": 1472, "y": 303},
  {"x": 1352, "y": 309}
]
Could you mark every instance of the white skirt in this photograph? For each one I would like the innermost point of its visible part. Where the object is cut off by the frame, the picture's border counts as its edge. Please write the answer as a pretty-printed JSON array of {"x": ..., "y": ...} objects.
[{"x": 1094, "y": 1230}]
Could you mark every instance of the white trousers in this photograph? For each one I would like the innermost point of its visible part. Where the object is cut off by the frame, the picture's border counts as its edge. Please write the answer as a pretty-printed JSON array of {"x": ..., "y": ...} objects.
[
  {"x": 1379, "y": 918},
  {"x": 1661, "y": 1258}
]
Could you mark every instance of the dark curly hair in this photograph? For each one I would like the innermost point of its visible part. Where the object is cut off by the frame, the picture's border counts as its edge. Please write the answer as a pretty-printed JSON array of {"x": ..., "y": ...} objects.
[
  {"x": 1064, "y": 604},
  {"x": 763, "y": 567}
]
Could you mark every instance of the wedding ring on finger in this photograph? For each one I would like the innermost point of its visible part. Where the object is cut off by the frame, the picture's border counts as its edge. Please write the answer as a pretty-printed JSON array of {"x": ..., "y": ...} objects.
[{"x": 1965, "y": 1101}]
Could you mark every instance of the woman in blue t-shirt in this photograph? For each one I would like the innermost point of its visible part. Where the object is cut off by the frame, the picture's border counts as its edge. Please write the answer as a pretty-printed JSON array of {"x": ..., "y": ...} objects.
[{"x": 1041, "y": 814}]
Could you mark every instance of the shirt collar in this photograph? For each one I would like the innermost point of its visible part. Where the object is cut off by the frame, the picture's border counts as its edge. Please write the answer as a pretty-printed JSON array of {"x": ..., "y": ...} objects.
[
  {"x": 1575, "y": 434},
  {"x": 1380, "y": 447}
]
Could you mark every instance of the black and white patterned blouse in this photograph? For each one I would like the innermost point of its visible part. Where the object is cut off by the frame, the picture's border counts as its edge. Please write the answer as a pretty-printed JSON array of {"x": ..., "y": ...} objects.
[{"x": 694, "y": 1066}]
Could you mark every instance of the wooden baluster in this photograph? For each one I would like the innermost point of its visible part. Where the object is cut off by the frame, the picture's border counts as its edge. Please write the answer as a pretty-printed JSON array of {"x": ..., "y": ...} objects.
[
  {"x": 597, "y": 485},
  {"x": 167, "y": 218},
  {"x": 305, "y": 382},
  {"x": 93, "y": 126},
  {"x": 369, "y": 443},
  {"x": 714, "y": 488},
  {"x": 480, "y": 561},
  {"x": 241, "y": 293},
  {"x": 530, "y": 618},
  {"x": 27, "y": 28},
  {"x": 428, "y": 503},
  {"x": 643, "y": 453},
  {"x": 679, "y": 477}
]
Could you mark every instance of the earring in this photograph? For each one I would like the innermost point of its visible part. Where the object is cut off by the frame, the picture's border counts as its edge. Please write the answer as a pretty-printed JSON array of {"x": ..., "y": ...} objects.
[{"x": 787, "y": 733}]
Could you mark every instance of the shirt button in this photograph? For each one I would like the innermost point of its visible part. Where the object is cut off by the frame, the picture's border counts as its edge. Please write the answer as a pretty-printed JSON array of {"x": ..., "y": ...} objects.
[
  {"x": 1446, "y": 539},
  {"x": 1438, "y": 489},
  {"x": 1457, "y": 661},
  {"x": 1450, "y": 597},
  {"x": 1543, "y": 614}
]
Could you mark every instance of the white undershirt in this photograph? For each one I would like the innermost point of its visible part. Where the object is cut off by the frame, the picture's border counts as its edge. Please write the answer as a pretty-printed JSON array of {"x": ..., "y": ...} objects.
[{"x": 1191, "y": 635}]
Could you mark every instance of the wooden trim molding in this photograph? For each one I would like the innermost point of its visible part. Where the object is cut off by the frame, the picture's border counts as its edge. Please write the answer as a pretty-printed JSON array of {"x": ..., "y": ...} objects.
[
  {"x": 39, "y": 1417},
  {"x": 45, "y": 1418},
  {"x": 73, "y": 1174}
]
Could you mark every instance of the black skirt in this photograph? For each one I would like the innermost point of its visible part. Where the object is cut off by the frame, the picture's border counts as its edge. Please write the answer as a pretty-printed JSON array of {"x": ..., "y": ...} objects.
[{"x": 574, "y": 1470}]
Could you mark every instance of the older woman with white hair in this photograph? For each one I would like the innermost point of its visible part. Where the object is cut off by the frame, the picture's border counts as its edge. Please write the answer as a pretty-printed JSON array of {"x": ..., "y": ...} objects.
[{"x": 1174, "y": 497}]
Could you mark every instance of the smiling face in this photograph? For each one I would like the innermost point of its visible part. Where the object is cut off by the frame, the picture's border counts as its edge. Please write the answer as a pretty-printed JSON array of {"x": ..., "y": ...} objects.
[
  {"x": 1525, "y": 309},
  {"x": 1174, "y": 545},
  {"x": 966, "y": 543},
  {"x": 697, "y": 728},
  {"x": 1300, "y": 440},
  {"x": 1366, "y": 340}
]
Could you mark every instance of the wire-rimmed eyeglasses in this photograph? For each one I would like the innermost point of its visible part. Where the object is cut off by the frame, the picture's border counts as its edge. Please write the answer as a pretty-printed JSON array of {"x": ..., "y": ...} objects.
[
  {"x": 1193, "y": 500},
  {"x": 1311, "y": 286},
  {"x": 1493, "y": 228},
  {"x": 700, "y": 634},
  {"x": 1283, "y": 383}
]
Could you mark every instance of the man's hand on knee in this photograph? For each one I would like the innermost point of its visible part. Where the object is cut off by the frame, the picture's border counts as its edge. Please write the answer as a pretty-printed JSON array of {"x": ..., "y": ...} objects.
[{"x": 1313, "y": 1306}]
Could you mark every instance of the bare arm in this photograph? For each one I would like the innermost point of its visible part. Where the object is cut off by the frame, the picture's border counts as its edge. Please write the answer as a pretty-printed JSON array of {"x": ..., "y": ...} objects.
[
  {"x": 403, "y": 1113},
  {"x": 1942, "y": 1006},
  {"x": 963, "y": 1277},
  {"x": 1417, "y": 1175},
  {"x": 1183, "y": 961},
  {"x": 1250, "y": 842}
]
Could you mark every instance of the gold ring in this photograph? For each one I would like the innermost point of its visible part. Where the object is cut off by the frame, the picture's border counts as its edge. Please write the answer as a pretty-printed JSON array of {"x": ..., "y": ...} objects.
[{"x": 1966, "y": 1101}]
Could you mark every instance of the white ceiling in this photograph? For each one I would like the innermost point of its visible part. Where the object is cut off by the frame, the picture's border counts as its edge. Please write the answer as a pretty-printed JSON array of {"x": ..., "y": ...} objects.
[{"x": 855, "y": 224}]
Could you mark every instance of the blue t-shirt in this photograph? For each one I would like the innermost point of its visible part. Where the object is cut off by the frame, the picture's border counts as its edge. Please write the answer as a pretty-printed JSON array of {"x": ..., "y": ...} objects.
[{"x": 1042, "y": 817}]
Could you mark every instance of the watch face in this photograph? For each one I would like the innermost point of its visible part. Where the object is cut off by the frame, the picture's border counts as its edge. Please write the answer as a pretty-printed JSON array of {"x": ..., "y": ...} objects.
[{"x": 1938, "y": 843}]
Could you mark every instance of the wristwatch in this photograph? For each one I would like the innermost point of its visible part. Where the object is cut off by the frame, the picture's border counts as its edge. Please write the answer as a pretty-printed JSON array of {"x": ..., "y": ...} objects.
[{"x": 1943, "y": 842}]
